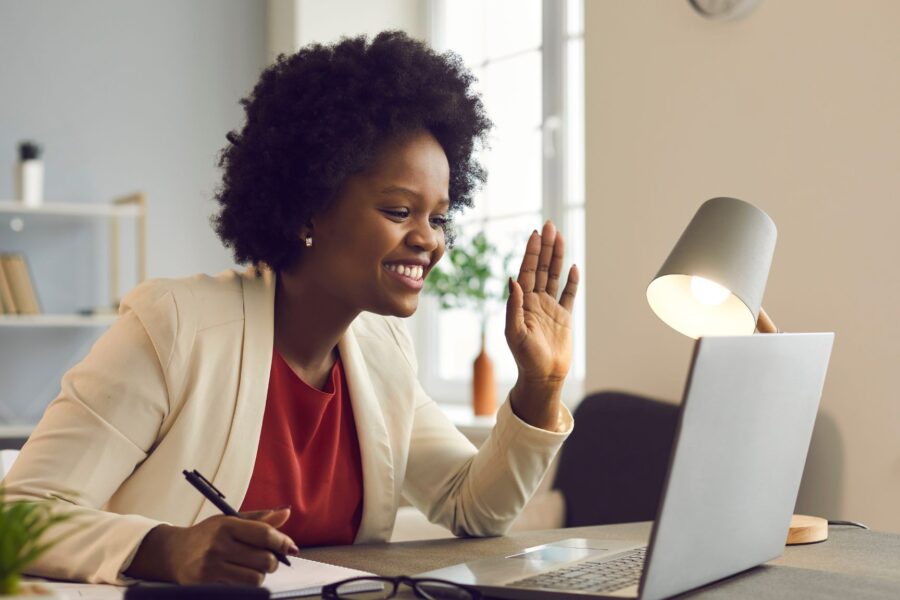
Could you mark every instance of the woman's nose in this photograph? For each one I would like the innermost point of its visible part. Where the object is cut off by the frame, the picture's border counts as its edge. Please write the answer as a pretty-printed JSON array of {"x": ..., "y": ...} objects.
[{"x": 423, "y": 236}]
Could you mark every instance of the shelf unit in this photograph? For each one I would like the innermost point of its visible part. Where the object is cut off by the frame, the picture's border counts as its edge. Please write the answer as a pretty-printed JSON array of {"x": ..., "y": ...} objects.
[
  {"x": 35, "y": 350},
  {"x": 60, "y": 320},
  {"x": 15, "y": 431},
  {"x": 71, "y": 209}
]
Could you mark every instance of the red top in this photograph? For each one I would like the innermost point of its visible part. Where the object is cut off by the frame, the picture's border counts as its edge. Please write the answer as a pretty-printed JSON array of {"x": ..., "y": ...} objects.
[{"x": 308, "y": 458}]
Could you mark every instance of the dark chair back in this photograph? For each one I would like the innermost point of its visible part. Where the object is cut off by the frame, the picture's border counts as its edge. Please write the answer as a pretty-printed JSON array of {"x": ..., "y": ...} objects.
[{"x": 612, "y": 467}]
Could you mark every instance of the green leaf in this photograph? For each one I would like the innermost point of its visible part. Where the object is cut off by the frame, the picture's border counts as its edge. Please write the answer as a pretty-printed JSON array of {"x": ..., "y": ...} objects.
[
  {"x": 23, "y": 525},
  {"x": 475, "y": 276}
]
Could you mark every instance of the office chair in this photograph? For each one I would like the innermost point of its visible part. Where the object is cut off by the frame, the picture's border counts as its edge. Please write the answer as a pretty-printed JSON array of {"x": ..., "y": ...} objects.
[{"x": 612, "y": 467}]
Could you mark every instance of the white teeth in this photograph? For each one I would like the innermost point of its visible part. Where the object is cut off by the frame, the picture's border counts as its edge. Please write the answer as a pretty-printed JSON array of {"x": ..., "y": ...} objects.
[{"x": 413, "y": 271}]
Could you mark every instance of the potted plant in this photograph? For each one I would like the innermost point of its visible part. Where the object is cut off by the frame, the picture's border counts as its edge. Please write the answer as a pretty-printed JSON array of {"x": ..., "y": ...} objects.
[
  {"x": 468, "y": 279},
  {"x": 23, "y": 529}
]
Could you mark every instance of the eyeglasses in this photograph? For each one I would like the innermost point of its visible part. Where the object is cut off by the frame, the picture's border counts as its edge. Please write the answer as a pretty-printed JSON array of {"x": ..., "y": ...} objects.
[{"x": 430, "y": 589}]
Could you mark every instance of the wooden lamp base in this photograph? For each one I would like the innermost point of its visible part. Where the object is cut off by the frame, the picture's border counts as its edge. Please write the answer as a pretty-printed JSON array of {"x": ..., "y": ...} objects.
[
  {"x": 807, "y": 530},
  {"x": 804, "y": 529}
]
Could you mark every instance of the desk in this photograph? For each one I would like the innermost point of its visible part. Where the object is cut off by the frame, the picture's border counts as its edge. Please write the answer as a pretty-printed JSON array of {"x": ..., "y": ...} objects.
[{"x": 853, "y": 563}]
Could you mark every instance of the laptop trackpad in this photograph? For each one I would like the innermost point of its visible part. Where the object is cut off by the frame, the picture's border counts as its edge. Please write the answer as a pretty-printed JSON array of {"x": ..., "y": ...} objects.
[
  {"x": 555, "y": 554},
  {"x": 527, "y": 562},
  {"x": 563, "y": 551}
]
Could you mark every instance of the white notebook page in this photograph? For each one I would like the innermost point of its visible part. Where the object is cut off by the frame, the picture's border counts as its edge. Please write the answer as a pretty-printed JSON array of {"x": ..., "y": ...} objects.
[{"x": 306, "y": 578}]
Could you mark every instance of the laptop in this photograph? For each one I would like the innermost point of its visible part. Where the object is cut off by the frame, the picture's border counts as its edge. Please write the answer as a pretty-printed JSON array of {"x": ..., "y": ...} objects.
[{"x": 746, "y": 420}]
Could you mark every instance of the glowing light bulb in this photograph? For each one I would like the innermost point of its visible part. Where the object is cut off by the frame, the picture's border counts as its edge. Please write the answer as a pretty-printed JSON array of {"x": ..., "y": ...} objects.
[{"x": 708, "y": 292}]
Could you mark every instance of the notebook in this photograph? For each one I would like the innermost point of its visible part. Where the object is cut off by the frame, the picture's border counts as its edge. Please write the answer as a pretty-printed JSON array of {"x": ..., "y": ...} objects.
[
  {"x": 307, "y": 577},
  {"x": 302, "y": 578}
]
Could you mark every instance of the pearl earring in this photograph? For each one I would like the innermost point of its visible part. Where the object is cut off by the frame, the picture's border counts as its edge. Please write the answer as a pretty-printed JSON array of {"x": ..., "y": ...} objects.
[{"x": 308, "y": 241}]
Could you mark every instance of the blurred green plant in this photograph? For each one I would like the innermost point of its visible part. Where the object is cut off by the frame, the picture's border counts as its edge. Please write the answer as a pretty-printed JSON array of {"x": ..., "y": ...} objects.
[
  {"x": 23, "y": 525},
  {"x": 469, "y": 277}
]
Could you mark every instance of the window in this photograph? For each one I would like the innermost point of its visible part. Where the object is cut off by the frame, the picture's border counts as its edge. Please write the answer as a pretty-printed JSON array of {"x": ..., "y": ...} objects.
[{"x": 528, "y": 58}]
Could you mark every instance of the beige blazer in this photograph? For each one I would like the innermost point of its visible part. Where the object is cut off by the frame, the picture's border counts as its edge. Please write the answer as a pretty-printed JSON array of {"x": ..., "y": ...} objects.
[{"x": 180, "y": 382}]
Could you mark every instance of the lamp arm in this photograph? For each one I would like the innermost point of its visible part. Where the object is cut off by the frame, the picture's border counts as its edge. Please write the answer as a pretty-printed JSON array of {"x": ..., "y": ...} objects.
[{"x": 764, "y": 324}]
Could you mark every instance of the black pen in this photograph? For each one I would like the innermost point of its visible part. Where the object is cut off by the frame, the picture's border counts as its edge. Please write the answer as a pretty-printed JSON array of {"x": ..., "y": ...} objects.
[{"x": 205, "y": 487}]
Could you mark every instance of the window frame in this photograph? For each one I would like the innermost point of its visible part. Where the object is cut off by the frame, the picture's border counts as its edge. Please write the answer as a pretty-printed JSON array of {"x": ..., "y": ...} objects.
[{"x": 556, "y": 198}]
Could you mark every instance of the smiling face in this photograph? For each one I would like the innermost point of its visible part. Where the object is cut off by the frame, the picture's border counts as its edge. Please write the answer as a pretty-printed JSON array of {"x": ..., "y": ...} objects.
[{"x": 373, "y": 248}]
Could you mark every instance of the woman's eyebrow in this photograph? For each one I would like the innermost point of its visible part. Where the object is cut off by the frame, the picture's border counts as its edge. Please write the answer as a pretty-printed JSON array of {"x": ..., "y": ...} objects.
[{"x": 396, "y": 189}]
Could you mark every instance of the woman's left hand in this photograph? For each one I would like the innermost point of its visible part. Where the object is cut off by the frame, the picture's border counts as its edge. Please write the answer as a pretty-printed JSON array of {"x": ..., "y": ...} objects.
[{"x": 539, "y": 328}]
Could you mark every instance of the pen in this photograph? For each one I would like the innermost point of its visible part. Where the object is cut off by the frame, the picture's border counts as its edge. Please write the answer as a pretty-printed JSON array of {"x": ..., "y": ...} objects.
[{"x": 205, "y": 487}]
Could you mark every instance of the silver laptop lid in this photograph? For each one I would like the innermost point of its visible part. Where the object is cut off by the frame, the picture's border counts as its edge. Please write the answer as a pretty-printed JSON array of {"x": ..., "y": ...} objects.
[{"x": 746, "y": 422}]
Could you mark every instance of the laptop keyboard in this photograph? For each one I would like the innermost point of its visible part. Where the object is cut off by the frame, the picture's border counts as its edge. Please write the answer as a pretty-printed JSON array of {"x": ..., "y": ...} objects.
[{"x": 591, "y": 576}]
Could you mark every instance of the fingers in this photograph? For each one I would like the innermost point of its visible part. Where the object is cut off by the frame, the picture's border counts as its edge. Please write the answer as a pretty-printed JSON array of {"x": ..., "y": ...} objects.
[
  {"x": 276, "y": 518},
  {"x": 233, "y": 574},
  {"x": 261, "y": 535},
  {"x": 529, "y": 263},
  {"x": 548, "y": 241},
  {"x": 556, "y": 265},
  {"x": 256, "y": 515},
  {"x": 543, "y": 261},
  {"x": 515, "y": 312},
  {"x": 229, "y": 549},
  {"x": 251, "y": 557},
  {"x": 567, "y": 300}
]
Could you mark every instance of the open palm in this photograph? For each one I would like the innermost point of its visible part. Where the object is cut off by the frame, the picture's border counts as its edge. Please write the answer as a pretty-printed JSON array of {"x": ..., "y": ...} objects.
[{"x": 538, "y": 326}]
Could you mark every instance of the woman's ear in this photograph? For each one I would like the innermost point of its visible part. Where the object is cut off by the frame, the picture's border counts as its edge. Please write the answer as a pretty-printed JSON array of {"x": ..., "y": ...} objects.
[
  {"x": 306, "y": 230},
  {"x": 306, "y": 234}
]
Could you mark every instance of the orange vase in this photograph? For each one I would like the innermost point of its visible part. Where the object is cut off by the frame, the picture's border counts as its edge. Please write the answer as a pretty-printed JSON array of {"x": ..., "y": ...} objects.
[{"x": 484, "y": 390}]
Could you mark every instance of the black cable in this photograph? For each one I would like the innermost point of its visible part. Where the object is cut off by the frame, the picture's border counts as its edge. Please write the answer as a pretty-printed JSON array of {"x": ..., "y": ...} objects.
[{"x": 848, "y": 523}]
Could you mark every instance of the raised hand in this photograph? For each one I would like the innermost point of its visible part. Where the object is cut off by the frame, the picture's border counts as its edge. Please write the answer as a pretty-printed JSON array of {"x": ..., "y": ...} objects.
[{"x": 539, "y": 328}]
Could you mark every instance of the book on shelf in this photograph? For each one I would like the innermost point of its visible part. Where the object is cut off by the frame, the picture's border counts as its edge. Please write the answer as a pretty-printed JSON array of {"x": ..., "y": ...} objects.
[
  {"x": 21, "y": 285},
  {"x": 7, "y": 304}
]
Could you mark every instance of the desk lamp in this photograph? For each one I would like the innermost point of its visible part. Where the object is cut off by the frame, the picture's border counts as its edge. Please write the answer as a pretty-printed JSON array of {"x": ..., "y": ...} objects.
[{"x": 712, "y": 283}]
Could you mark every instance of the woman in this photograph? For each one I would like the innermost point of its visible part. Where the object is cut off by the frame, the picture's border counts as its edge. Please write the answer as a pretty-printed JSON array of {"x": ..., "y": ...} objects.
[{"x": 294, "y": 384}]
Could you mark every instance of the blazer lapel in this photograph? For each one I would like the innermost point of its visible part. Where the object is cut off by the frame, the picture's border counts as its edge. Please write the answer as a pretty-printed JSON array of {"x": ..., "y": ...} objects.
[
  {"x": 374, "y": 444},
  {"x": 233, "y": 475},
  {"x": 236, "y": 468}
]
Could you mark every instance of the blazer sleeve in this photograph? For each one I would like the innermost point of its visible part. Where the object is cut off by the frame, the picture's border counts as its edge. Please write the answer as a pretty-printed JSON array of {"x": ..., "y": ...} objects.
[
  {"x": 93, "y": 435},
  {"x": 477, "y": 492}
]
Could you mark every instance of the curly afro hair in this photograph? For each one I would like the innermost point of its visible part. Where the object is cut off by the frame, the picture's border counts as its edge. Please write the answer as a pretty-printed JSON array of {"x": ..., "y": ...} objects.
[{"x": 319, "y": 116}]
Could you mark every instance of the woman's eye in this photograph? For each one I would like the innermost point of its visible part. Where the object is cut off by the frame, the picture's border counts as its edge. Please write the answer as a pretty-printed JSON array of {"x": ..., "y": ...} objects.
[{"x": 439, "y": 221}]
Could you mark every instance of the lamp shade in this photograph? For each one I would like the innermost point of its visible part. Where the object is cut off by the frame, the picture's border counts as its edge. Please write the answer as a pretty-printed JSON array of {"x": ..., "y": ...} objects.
[{"x": 713, "y": 281}]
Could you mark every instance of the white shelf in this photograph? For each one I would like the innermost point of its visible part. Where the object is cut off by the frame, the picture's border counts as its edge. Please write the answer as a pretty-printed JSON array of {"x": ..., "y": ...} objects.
[
  {"x": 56, "y": 320},
  {"x": 15, "y": 431},
  {"x": 71, "y": 209}
]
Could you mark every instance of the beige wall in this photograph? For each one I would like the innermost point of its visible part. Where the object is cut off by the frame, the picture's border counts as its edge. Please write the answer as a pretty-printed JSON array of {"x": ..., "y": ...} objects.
[{"x": 795, "y": 108}]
